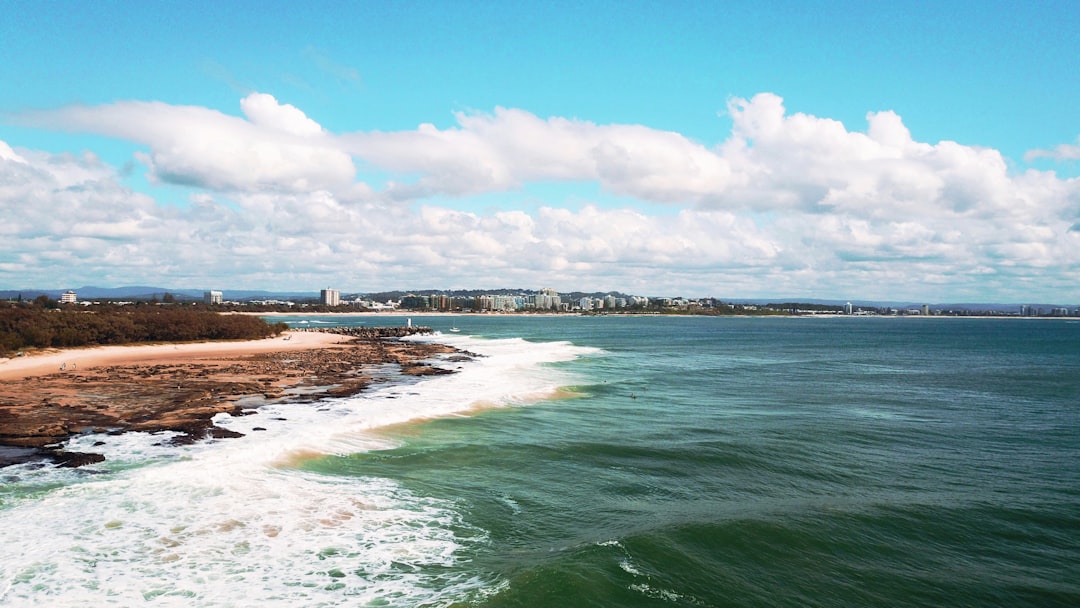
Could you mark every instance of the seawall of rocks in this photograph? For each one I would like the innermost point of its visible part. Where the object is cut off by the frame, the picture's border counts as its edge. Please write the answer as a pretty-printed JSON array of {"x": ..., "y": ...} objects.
[{"x": 371, "y": 333}]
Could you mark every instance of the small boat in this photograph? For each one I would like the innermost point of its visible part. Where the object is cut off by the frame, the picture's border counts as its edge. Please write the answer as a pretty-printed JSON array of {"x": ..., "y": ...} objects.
[{"x": 454, "y": 330}]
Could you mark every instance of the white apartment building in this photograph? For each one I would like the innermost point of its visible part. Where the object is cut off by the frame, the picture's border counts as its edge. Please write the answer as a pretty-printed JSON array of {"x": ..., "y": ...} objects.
[{"x": 330, "y": 297}]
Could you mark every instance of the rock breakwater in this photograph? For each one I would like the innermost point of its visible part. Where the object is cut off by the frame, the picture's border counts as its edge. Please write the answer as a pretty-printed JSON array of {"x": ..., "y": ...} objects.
[{"x": 372, "y": 333}]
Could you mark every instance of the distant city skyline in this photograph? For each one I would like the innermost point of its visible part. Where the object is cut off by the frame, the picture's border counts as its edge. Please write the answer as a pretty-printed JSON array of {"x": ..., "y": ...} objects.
[
  {"x": 915, "y": 152},
  {"x": 541, "y": 300},
  {"x": 515, "y": 298}
]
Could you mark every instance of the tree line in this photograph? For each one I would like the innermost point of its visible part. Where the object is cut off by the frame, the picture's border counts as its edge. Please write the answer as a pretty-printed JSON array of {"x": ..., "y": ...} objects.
[{"x": 38, "y": 326}]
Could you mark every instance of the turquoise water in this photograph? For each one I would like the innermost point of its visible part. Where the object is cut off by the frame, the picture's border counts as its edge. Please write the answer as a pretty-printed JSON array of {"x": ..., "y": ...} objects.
[{"x": 608, "y": 461}]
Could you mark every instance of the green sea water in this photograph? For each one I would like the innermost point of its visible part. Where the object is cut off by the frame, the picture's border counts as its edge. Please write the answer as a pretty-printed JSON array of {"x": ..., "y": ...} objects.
[
  {"x": 615, "y": 461},
  {"x": 774, "y": 462}
]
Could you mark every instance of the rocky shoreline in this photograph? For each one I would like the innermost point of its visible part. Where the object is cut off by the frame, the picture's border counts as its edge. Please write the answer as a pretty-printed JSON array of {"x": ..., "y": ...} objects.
[{"x": 39, "y": 413}]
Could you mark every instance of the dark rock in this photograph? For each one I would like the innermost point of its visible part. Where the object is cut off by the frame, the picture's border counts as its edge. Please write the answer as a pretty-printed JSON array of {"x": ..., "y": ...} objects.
[
  {"x": 421, "y": 369},
  {"x": 182, "y": 439},
  {"x": 219, "y": 433},
  {"x": 374, "y": 333},
  {"x": 75, "y": 459}
]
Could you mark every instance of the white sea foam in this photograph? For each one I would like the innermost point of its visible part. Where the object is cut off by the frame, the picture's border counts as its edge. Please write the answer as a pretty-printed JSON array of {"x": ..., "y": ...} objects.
[
  {"x": 188, "y": 536},
  {"x": 229, "y": 522}
]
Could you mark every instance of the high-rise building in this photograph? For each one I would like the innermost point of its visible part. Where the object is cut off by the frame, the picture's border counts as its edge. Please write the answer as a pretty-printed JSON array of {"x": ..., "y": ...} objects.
[
  {"x": 548, "y": 299},
  {"x": 211, "y": 297},
  {"x": 68, "y": 297},
  {"x": 330, "y": 297}
]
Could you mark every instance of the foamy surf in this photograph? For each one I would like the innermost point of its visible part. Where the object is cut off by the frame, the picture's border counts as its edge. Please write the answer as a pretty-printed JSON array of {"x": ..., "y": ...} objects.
[
  {"x": 196, "y": 537},
  {"x": 233, "y": 522}
]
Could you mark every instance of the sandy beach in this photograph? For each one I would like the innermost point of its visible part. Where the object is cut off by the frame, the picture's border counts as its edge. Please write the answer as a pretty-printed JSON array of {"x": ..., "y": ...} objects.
[
  {"x": 73, "y": 359},
  {"x": 48, "y": 397}
]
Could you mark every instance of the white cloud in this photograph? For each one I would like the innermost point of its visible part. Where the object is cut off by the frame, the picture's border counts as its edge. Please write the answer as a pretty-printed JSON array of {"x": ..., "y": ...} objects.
[
  {"x": 278, "y": 148},
  {"x": 789, "y": 204},
  {"x": 503, "y": 150},
  {"x": 814, "y": 164},
  {"x": 1060, "y": 152},
  {"x": 6, "y": 153},
  {"x": 265, "y": 111}
]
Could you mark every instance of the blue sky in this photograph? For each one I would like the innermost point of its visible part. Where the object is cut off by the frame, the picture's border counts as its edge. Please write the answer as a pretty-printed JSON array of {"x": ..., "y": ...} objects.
[{"x": 655, "y": 148}]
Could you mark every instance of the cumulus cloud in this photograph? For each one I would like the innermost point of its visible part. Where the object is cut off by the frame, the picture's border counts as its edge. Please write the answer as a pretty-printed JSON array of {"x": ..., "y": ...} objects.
[
  {"x": 6, "y": 153},
  {"x": 276, "y": 148},
  {"x": 61, "y": 209},
  {"x": 265, "y": 111},
  {"x": 503, "y": 150},
  {"x": 787, "y": 204},
  {"x": 811, "y": 164}
]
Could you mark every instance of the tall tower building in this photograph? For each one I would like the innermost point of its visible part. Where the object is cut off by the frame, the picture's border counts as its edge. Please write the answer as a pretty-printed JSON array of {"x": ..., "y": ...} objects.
[{"x": 330, "y": 297}]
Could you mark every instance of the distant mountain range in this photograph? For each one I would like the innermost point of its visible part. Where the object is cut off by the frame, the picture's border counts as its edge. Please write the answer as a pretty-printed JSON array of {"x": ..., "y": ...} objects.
[{"x": 144, "y": 292}]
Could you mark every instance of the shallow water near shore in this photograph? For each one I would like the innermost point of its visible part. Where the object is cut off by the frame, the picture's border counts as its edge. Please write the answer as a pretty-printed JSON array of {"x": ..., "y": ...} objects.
[{"x": 603, "y": 461}]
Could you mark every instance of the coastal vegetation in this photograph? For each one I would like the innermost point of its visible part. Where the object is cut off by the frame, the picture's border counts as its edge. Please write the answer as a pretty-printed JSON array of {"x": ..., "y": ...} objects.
[{"x": 43, "y": 324}]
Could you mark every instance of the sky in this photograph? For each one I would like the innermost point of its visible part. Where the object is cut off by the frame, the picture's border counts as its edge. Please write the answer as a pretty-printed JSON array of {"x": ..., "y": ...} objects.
[{"x": 904, "y": 151}]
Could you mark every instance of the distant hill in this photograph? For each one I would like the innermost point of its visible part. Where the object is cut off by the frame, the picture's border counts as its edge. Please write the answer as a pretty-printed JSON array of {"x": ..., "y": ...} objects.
[
  {"x": 145, "y": 292},
  {"x": 112, "y": 293},
  {"x": 133, "y": 292}
]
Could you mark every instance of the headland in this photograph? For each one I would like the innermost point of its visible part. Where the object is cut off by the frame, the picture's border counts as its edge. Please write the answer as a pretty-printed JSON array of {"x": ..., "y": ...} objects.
[{"x": 48, "y": 397}]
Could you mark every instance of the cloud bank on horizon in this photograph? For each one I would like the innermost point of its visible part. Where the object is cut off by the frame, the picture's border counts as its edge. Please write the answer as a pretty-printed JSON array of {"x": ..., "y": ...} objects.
[
  {"x": 788, "y": 203},
  {"x": 775, "y": 201}
]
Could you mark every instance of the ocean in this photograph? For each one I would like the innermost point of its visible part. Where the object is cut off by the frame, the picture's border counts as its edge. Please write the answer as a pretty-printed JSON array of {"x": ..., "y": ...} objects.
[{"x": 601, "y": 461}]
